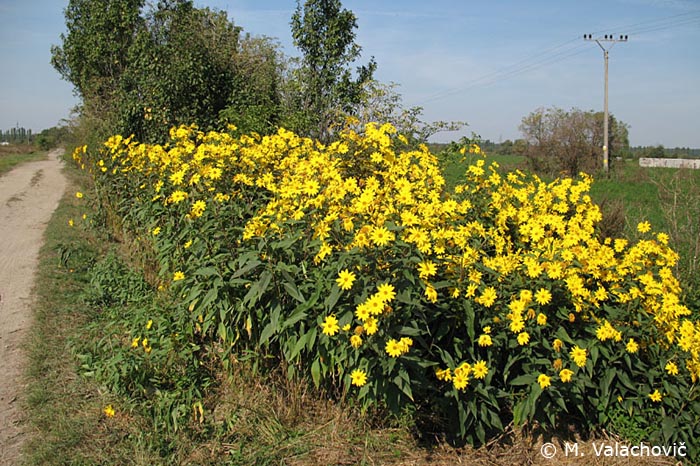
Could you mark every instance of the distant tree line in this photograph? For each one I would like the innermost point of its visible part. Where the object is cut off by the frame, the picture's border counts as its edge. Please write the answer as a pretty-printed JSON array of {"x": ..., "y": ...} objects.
[
  {"x": 510, "y": 147},
  {"x": 16, "y": 135}
]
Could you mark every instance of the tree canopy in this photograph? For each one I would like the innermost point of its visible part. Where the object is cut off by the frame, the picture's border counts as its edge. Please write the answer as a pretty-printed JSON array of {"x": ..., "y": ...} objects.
[{"x": 570, "y": 141}]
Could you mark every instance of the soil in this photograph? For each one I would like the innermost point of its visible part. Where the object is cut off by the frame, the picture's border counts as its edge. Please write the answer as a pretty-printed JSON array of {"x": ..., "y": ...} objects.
[{"x": 28, "y": 196}]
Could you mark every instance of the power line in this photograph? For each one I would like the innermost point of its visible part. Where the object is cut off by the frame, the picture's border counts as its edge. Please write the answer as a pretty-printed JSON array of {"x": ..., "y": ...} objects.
[
  {"x": 526, "y": 64},
  {"x": 561, "y": 52}
]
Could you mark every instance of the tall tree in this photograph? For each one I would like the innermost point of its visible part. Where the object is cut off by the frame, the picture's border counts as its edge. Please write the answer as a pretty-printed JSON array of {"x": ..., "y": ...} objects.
[
  {"x": 325, "y": 33},
  {"x": 93, "y": 54}
]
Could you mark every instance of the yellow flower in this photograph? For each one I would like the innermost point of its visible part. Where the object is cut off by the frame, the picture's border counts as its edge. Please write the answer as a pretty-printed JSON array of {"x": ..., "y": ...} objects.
[
  {"x": 371, "y": 326},
  {"x": 485, "y": 340},
  {"x": 543, "y": 297},
  {"x": 362, "y": 311},
  {"x": 355, "y": 341},
  {"x": 156, "y": 231},
  {"x": 427, "y": 269},
  {"x": 71, "y": 222},
  {"x": 345, "y": 279},
  {"x": 386, "y": 292},
  {"x": 488, "y": 297},
  {"x": 544, "y": 381},
  {"x": 393, "y": 348},
  {"x": 480, "y": 370},
  {"x": 135, "y": 342},
  {"x": 671, "y": 368},
  {"x": 632, "y": 346},
  {"x": 79, "y": 195},
  {"x": 375, "y": 305},
  {"x": 460, "y": 381},
  {"x": 431, "y": 293},
  {"x": 406, "y": 343},
  {"x": 109, "y": 411},
  {"x": 523, "y": 338},
  {"x": 188, "y": 244},
  {"x": 516, "y": 325},
  {"x": 643, "y": 227},
  {"x": 330, "y": 325},
  {"x": 323, "y": 251},
  {"x": 578, "y": 355},
  {"x": 381, "y": 236},
  {"x": 443, "y": 374},
  {"x": 541, "y": 319},
  {"x": 177, "y": 276},
  {"x": 565, "y": 375},
  {"x": 358, "y": 377},
  {"x": 655, "y": 396},
  {"x": 198, "y": 209},
  {"x": 149, "y": 324},
  {"x": 177, "y": 196}
]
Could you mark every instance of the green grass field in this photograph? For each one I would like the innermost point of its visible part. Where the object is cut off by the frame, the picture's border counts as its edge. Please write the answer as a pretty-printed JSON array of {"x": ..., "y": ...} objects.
[{"x": 11, "y": 156}]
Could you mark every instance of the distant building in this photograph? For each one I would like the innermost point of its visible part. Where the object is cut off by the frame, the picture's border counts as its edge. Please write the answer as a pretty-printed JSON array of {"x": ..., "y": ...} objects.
[{"x": 669, "y": 163}]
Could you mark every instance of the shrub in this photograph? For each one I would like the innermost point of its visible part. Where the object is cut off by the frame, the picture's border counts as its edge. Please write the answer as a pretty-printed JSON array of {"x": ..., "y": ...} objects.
[{"x": 351, "y": 263}]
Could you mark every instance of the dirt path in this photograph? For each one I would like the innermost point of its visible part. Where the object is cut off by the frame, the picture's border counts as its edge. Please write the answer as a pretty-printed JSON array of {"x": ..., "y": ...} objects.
[{"x": 28, "y": 196}]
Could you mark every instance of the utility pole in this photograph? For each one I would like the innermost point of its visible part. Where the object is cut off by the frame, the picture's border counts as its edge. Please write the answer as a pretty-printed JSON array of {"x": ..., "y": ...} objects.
[{"x": 613, "y": 40}]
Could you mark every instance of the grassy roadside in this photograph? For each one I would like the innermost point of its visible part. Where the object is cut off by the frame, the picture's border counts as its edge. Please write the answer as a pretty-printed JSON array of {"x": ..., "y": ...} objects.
[
  {"x": 64, "y": 411},
  {"x": 11, "y": 156}
]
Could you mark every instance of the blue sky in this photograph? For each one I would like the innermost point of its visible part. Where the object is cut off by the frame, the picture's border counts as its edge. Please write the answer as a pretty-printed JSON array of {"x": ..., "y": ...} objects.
[{"x": 488, "y": 63}]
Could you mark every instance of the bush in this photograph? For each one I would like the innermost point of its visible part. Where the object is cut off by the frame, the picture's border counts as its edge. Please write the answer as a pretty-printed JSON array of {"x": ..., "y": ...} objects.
[{"x": 352, "y": 264}]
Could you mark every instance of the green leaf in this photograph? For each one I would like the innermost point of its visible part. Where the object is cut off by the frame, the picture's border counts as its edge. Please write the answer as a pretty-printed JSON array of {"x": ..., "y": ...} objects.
[
  {"x": 668, "y": 427},
  {"x": 246, "y": 268},
  {"x": 293, "y": 291},
  {"x": 299, "y": 312},
  {"x": 209, "y": 298},
  {"x": 403, "y": 382},
  {"x": 258, "y": 288},
  {"x": 300, "y": 344},
  {"x": 524, "y": 379},
  {"x": 272, "y": 327},
  {"x": 316, "y": 372},
  {"x": 332, "y": 298},
  {"x": 206, "y": 272}
]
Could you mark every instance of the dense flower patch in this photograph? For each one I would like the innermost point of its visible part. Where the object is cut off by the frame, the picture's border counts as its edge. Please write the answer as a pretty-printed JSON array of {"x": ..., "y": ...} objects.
[{"x": 350, "y": 262}]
